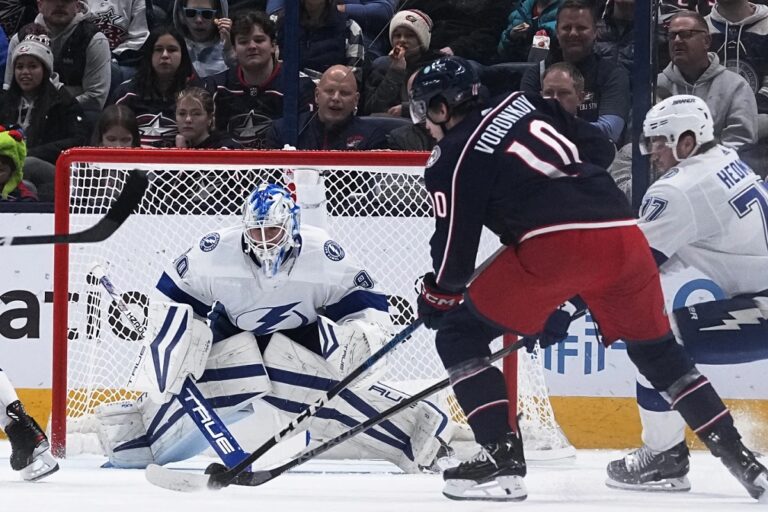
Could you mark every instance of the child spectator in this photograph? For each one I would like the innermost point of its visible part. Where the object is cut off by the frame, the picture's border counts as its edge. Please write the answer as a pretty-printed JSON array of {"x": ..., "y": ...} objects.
[
  {"x": 206, "y": 27},
  {"x": 165, "y": 70},
  {"x": 13, "y": 151},
  {"x": 385, "y": 88},
  {"x": 50, "y": 117},
  {"x": 81, "y": 56},
  {"x": 194, "y": 117},
  {"x": 249, "y": 95},
  {"x": 117, "y": 128},
  {"x": 524, "y": 21}
]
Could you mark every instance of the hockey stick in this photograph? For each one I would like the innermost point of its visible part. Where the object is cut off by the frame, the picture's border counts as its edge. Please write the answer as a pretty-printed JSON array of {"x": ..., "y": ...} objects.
[
  {"x": 192, "y": 400},
  {"x": 129, "y": 199},
  {"x": 168, "y": 479},
  {"x": 219, "y": 476}
]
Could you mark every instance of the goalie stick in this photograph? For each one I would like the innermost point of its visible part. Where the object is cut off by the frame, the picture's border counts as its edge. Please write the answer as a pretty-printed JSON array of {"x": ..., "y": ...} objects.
[
  {"x": 217, "y": 476},
  {"x": 192, "y": 400},
  {"x": 169, "y": 479},
  {"x": 121, "y": 209}
]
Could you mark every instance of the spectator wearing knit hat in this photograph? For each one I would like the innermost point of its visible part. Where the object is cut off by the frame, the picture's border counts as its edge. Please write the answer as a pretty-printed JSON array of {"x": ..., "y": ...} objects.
[
  {"x": 466, "y": 28},
  {"x": 50, "y": 117},
  {"x": 13, "y": 151},
  {"x": 410, "y": 33}
]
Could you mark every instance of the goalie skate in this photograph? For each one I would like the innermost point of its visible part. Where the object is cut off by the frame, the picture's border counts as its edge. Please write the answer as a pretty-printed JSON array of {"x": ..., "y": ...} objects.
[
  {"x": 30, "y": 451},
  {"x": 494, "y": 474},
  {"x": 646, "y": 470}
]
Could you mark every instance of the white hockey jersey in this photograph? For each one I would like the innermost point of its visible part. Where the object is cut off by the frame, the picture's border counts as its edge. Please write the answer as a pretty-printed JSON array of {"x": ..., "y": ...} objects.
[
  {"x": 711, "y": 212},
  {"x": 323, "y": 280}
]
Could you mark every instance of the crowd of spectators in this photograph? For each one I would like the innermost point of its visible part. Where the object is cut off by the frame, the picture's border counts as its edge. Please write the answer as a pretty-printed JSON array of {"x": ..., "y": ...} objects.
[{"x": 208, "y": 73}]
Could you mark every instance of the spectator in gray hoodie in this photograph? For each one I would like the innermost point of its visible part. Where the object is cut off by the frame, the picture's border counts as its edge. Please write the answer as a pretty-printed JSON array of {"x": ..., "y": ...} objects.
[{"x": 695, "y": 71}]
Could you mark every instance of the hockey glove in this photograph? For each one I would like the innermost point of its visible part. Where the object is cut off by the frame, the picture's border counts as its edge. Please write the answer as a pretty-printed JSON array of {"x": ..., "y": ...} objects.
[
  {"x": 556, "y": 326},
  {"x": 434, "y": 302}
]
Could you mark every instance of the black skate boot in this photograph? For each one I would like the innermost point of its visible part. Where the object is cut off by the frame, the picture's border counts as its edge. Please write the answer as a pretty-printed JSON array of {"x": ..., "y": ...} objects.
[
  {"x": 30, "y": 451},
  {"x": 742, "y": 464},
  {"x": 646, "y": 470},
  {"x": 494, "y": 474}
]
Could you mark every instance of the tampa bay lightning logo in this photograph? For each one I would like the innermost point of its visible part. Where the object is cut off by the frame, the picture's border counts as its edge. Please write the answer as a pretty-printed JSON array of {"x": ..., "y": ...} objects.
[
  {"x": 333, "y": 251},
  {"x": 209, "y": 242}
]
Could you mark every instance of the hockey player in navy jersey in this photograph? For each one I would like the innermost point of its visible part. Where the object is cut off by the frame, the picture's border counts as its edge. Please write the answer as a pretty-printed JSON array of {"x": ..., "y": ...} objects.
[
  {"x": 291, "y": 313},
  {"x": 708, "y": 212},
  {"x": 30, "y": 449},
  {"x": 535, "y": 176}
]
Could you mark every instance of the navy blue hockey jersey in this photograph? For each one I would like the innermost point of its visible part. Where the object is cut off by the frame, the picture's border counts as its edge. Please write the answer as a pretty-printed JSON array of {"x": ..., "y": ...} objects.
[{"x": 521, "y": 168}]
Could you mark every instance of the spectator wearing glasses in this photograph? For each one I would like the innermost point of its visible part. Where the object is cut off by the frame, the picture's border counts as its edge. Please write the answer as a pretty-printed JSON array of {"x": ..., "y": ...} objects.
[
  {"x": 205, "y": 26},
  {"x": 694, "y": 70}
]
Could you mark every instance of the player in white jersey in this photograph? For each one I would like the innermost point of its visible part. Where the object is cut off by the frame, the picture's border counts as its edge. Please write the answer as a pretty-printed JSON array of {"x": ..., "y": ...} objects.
[
  {"x": 30, "y": 450},
  {"x": 708, "y": 211},
  {"x": 291, "y": 313}
]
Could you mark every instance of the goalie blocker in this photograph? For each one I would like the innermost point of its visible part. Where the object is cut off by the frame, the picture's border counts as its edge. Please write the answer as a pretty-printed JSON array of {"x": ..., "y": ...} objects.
[{"x": 154, "y": 429}]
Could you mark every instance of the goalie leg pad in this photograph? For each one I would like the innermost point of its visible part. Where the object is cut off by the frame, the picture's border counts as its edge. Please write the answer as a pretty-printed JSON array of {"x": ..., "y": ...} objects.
[
  {"x": 299, "y": 377},
  {"x": 234, "y": 378},
  {"x": 730, "y": 331}
]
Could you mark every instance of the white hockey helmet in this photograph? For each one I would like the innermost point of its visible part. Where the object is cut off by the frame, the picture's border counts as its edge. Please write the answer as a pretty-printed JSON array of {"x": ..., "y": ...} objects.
[
  {"x": 673, "y": 117},
  {"x": 271, "y": 227}
]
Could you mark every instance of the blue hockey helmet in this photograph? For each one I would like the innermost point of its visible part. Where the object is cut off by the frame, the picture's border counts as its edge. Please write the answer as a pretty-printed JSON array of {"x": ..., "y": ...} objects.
[
  {"x": 451, "y": 79},
  {"x": 271, "y": 222}
]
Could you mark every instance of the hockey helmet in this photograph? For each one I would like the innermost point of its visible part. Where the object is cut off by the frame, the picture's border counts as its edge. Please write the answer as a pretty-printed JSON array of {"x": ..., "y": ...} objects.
[
  {"x": 271, "y": 222},
  {"x": 669, "y": 119},
  {"x": 452, "y": 79}
]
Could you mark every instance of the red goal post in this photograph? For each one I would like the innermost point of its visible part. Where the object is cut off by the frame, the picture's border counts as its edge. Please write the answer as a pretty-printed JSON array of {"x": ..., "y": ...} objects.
[{"x": 377, "y": 209}]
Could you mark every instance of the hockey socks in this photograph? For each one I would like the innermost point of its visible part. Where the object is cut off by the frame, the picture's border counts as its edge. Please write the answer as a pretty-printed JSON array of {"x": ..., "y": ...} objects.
[{"x": 481, "y": 391}]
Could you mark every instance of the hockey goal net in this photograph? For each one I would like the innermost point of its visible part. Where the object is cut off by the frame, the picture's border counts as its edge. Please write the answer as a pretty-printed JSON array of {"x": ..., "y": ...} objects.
[{"x": 376, "y": 207}]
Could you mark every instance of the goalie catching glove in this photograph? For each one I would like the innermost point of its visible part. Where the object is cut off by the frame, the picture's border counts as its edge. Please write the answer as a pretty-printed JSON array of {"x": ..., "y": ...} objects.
[
  {"x": 434, "y": 302},
  {"x": 176, "y": 345}
]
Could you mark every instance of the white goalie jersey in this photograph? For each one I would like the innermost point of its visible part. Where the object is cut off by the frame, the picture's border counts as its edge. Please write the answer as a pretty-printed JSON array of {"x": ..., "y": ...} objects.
[
  {"x": 323, "y": 279},
  {"x": 711, "y": 212}
]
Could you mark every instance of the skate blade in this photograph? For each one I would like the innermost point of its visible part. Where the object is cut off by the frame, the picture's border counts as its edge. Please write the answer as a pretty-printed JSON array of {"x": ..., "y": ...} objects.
[
  {"x": 667, "y": 485},
  {"x": 43, "y": 465},
  {"x": 501, "y": 488},
  {"x": 762, "y": 481}
]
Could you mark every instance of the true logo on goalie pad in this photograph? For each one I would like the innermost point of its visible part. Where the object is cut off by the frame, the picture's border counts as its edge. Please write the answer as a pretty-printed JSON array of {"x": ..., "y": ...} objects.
[
  {"x": 333, "y": 251},
  {"x": 209, "y": 242},
  {"x": 363, "y": 280}
]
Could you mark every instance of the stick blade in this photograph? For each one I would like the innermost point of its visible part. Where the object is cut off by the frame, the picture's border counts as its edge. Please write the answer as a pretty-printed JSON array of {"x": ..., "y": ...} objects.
[{"x": 172, "y": 480}]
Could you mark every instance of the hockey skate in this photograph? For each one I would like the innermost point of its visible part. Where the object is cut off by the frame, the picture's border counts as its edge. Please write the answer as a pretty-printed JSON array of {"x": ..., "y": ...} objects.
[
  {"x": 30, "y": 450},
  {"x": 742, "y": 464},
  {"x": 494, "y": 474},
  {"x": 646, "y": 470}
]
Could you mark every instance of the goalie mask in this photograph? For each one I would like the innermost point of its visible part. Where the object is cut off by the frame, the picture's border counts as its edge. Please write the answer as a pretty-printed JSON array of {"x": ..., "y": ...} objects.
[
  {"x": 271, "y": 227},
  {"x": 668, "y": 120}
]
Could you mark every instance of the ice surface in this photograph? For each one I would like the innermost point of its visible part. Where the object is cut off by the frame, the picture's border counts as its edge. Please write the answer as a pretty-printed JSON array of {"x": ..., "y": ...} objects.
[{"x": 341, "y": 486}]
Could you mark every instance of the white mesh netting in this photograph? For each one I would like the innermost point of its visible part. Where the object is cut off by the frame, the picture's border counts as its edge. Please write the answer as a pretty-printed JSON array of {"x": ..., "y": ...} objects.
[{"x": 380, "y": 214}]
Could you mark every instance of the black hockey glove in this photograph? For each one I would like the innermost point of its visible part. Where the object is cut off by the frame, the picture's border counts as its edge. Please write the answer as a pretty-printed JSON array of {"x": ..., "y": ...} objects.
[
  {"x": 434, "y": 302},
  {"x": 556, "y": 326}
]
